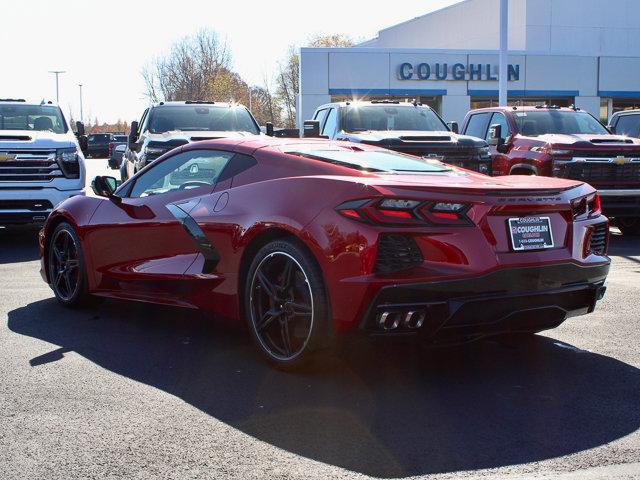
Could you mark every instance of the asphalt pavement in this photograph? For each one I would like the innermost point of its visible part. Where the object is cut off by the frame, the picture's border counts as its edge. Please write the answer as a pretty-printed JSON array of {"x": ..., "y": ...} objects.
[{"x": 124, "y": 390}]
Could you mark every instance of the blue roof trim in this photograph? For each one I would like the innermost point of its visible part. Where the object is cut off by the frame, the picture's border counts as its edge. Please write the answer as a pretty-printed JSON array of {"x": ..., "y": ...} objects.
[
  {"x": 385, "y": 91},
  {"x": 526, "y": 93},
  {"x": 617, "y": 93}
]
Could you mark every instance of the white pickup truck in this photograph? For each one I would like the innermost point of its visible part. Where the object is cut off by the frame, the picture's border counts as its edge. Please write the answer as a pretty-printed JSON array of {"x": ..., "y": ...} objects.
[{"x": 41, "y": 163}]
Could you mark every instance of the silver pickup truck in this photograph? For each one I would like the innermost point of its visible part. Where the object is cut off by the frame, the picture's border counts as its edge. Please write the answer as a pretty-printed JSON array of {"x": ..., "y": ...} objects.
[{"x": 41, "y": 163}]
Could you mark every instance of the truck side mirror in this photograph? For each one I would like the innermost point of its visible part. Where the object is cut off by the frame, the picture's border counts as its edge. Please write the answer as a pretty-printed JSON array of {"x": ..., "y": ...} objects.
[
  {"x": 495, "y": 135},
  {"x": 80, "y": 129},
  {"x": 453, "y": 126},
  {"x": 133, "y": 134},
  {"x": 311, "y": 129},
  {"x": 268, "y": 129}
]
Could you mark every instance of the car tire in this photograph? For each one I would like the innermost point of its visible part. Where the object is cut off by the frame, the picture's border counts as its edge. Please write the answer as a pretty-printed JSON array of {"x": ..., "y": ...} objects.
[
  {"x": 66, "y": 267},
  {"x": 286, "y": 305},
  {"x": 629, "y": 227}
]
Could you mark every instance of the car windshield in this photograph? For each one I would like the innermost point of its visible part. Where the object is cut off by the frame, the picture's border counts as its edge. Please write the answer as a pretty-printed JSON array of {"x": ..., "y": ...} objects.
[
  {"x": 373, "y": 160},
  {"x": 545, "y": 122},
  {"x": 391, "y": 117},
  {"x": 202, "y": 118},
  {"x": 32, "y": 117}
]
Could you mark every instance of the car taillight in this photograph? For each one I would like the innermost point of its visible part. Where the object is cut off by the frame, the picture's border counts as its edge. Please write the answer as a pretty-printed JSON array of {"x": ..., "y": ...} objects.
[
  {"x": 110, "y": 149},
  {"x": 586, "y": 207},
  {"x": 405, "y": 212}
]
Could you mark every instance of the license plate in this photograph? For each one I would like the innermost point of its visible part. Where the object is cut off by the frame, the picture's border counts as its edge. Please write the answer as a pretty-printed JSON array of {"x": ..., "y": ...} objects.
[{"x": 530, "y": 233}]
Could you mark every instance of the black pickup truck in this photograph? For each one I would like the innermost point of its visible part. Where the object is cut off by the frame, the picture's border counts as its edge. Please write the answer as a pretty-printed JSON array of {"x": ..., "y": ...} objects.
[{"x": 405, "y": 127}]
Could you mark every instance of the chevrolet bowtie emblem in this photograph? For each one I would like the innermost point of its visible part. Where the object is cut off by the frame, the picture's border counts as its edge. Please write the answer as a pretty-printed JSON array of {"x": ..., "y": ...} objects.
[
  {"x": 620, "y": 160},
  {"x": 5, "y": 156}
]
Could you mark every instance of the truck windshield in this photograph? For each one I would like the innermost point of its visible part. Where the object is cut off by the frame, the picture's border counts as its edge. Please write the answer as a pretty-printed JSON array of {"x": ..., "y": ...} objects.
[
  {"x": 373, "y": 160},
  {"x": 546, "y": 122},
  {"x": 202, "y": 118},
  {"x": 32, "y": 117},
  {"x": 389, "y": 117}
]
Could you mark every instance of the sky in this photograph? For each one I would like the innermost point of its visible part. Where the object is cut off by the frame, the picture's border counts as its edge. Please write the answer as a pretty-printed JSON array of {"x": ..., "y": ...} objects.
[{"x": 105, "y": 45}]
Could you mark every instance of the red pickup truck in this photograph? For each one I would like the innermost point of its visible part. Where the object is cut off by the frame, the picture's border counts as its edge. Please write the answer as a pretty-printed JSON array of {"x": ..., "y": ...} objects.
[{"x": 566, "y": 143}]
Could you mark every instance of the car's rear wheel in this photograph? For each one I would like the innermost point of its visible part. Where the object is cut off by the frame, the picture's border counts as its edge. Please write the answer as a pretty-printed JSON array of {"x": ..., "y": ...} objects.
[
  {"x": 66, "y": 266},
  {"x": 629, "y": 226},
  {"x": 286, "y": 303}
]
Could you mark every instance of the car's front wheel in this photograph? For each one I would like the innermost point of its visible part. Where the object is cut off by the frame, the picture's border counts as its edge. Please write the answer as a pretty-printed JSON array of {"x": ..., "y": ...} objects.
[
  {"x": 629, "y": 226},
  {"x": 286, "y": 303},
  {"x": 66, "y": 266}
]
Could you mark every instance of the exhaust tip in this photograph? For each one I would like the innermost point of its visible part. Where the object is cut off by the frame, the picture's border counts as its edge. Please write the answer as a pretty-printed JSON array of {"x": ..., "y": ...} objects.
[
  {"x": 414, "y": 319},
  {"x": 389, "y": 320}
]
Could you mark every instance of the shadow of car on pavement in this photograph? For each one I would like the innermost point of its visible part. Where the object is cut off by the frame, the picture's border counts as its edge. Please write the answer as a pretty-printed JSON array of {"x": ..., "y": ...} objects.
[{"x": 381, "y": 410}]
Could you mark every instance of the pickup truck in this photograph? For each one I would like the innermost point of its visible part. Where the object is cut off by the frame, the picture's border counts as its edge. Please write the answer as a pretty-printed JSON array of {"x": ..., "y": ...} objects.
[
  {"x": 407, "y": 127},
  {"x": 565, "y": 143},
  {"x": 167, "y": 125},
  {"x": 41, "y": 163}
]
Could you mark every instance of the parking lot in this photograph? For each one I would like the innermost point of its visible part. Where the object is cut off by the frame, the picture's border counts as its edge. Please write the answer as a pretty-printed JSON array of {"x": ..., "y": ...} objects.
[{"x": 140, "y": 391}]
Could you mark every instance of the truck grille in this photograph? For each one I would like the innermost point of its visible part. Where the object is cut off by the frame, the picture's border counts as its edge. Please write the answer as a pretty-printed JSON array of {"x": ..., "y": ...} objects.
[
  {"x": 29, "y": 166},
  {"x": 397, "y": 252},
  {"x": 606, "y": 174}
]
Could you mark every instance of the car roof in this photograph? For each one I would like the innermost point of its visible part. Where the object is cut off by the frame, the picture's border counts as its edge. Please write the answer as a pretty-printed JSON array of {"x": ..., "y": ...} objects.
[
  {"x": 257, "y": 142},
  {"x": 626, "y": 112},
  {"x": 19, "y": 101},
  {"x": 196, "y": 103},
  {"x": 525, "y": 109},
  {"x": 374, "y": 103}
]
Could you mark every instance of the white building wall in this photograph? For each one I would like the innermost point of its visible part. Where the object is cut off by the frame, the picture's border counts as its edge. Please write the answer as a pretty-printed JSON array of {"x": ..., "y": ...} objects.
[
  {"x": 583, "y": 27},
  {"x": 472, "y": 22}
]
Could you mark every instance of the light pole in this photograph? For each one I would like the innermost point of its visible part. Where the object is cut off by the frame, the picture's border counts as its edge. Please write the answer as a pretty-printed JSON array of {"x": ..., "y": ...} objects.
[
  {"x": 81, "y": 114},
  {"x": 57, "y": 73},
  {"x": 504, "y": 37}
]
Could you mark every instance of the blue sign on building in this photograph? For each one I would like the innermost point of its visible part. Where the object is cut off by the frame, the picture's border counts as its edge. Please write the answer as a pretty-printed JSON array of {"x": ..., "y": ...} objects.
[{"x": 457, "y": 71}]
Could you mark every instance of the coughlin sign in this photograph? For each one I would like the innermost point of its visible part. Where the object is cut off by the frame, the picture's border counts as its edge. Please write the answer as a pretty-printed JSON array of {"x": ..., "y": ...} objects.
[{"x": 456, "y": 71}]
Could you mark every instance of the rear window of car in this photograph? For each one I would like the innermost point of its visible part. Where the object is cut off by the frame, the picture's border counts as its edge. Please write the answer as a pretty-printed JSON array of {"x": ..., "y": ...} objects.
[
  {"x": 382, "y": 161},
  {"x": 119, "y": 138}
]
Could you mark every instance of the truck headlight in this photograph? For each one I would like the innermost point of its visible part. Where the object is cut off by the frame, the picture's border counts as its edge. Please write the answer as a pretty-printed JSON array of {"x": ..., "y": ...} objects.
[
  {"x": 69, "y": 161},
  {"x": 153, "y": 152},
  {"x": 484, "y": 151}
]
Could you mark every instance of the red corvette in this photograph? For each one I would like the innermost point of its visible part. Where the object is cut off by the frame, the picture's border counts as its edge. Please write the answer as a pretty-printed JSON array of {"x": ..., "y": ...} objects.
[{"x": 308, "y": 240}]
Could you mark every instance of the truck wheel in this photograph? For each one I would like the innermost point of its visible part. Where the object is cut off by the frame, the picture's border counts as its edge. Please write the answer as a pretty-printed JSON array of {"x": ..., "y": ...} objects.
[{"x": 629, "y": 226}]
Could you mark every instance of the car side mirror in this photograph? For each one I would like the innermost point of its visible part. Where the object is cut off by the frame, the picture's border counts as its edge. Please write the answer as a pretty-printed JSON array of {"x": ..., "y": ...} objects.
[
  {"x": 133, "y": 134},
  {"x": 105, "y": 186},
  {"x": 611, "y": 128},
  {"x": 268, "y": 129},
  {"x": 453, "y": 126},
  {"x": 495, "y": 135},
  {"x": 79, "y": 129},
  {"x": 311, "y": 129}
]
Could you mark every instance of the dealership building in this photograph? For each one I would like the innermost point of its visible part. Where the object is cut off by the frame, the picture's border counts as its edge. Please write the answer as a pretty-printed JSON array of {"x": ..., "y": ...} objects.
[{"x": 562, "y": 52}]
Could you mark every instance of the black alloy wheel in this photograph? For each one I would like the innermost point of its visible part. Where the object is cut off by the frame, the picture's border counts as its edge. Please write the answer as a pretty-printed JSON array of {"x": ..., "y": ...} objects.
[
  {"x": 286, "y": 303},
  {"x": 66, "y": 266}
]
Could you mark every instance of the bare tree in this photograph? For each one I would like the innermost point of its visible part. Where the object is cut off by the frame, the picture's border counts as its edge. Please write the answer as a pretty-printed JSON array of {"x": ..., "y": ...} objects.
[
  {"x": 287, "y": 79},
  {"x": 189, "y": 70}
]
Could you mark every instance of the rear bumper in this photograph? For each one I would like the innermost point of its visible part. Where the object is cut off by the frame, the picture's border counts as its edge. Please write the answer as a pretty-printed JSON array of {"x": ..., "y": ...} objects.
[
  {"x": 620, "y": 203},
  {"x": 522, "y": 299},
  {"x": 31, "y": 206}
]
